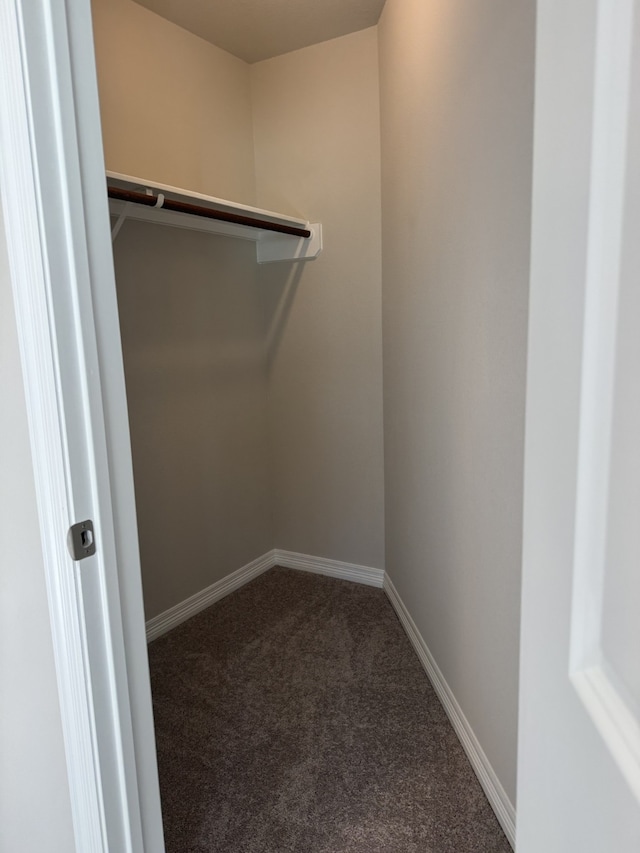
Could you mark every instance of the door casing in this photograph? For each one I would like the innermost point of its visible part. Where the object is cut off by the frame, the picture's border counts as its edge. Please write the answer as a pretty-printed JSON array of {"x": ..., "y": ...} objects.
[{"x": 58, "y": 240}]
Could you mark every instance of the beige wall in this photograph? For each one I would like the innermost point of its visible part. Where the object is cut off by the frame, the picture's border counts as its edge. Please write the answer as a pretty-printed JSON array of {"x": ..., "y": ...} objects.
[
  {"x": 35, "y": 811},
  {"x": 207, "y": 334},
  {"x": 456, "y": 107},
  {"x": 175, "y": 109},
  {"x": 255, "y": 394},
  {"x": 192, "y": 334},
  {"x": 253, "y": 430},
  {"x": 316, "y": 125}
]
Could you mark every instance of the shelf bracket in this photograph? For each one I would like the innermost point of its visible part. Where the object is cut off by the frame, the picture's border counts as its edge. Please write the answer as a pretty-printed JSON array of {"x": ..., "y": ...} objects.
[
  {"x": 119, "y": 222},
  {"x": 278, "y": 247},
  {"x": 278, "y": 237}
]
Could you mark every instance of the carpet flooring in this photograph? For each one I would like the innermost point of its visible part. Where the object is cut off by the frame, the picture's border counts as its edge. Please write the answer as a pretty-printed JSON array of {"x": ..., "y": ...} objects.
[{"x": 294, "y": 715}]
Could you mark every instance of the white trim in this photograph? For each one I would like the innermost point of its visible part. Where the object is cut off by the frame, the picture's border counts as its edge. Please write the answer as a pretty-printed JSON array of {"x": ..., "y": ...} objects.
[
  {"x": 331, "y": 568},
  {"x": 497, "y": 796},
  {"x": 368, "y": 576},
  {"x": 26, "y": 250},
  {"x": 613, "y": 717},
  {"x": 56, "y": 230},
  {"x": 174, "y": 616},
  {"x": 594, "y": 676}
]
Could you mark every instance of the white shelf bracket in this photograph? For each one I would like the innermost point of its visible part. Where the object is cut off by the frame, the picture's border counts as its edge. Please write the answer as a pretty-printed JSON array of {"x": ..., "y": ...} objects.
[
  {"x": 278, "y": 236},
  {"x": 119, "y": 222},
  {"x": 272, "y": 247}
]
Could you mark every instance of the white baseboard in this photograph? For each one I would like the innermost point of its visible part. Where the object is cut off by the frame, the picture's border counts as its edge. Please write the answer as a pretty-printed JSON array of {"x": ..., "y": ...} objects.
[
  {"x": 497, "y": 796},
  {"x": 173, "y": 617},
  {"x": 330, "y": 568}
]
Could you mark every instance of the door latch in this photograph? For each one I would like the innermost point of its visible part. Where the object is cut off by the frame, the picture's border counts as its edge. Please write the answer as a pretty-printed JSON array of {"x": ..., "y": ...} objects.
[{"x": 81, "y": 540}]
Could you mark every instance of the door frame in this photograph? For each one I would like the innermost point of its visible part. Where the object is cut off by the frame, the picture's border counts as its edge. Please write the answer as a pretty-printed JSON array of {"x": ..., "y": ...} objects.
[{"x": 61, "y": 266}]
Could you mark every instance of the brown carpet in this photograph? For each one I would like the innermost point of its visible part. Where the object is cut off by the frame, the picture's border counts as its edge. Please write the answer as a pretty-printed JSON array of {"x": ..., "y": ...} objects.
[{"x": 294, "y": 715}]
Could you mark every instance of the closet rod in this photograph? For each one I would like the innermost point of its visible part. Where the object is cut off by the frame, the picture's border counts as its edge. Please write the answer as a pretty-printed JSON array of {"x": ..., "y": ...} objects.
[{"x": 206, "y": 212}]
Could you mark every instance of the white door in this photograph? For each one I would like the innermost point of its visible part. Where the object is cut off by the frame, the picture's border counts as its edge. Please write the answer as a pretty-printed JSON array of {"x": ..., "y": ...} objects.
[
  {"x": 57, "y": 224},
  {"x": 579, "y": 749}
]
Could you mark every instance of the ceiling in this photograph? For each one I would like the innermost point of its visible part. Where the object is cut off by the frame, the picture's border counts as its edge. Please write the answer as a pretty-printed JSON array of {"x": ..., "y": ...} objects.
[{"x": 258, "y": 29}]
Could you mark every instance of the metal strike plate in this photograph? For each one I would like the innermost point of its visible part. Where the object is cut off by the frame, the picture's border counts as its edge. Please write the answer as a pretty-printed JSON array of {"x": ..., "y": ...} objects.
[{"x": 81, "y": 540}]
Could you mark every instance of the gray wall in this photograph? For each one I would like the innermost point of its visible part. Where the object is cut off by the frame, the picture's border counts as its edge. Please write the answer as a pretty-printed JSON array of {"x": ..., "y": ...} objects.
[
  {"x": 177, "y": 110},
  {"x": 193, "y": 342},
  {"x": 317, "y": 130},
  {"x": 35, "y": 812},
  {"x": 456, "y": 118},
  {"x": 222, "y": 357},
  {"x": 255, "y": 394},
  {"x": 454, "y": 107}
]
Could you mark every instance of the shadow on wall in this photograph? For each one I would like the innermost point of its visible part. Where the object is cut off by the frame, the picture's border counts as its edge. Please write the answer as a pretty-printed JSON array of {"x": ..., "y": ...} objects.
[
  {"x": 280, "y": 286},
  {"x": 201, "y": 325}
]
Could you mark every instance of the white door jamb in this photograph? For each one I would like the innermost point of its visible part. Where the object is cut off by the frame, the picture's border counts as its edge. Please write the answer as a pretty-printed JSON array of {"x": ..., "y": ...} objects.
[{"x": 57, "y": 227}]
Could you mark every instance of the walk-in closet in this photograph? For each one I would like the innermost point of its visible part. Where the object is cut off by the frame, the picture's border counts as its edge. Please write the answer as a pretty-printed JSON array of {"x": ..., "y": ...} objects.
[{"x": 321, "y": 262}]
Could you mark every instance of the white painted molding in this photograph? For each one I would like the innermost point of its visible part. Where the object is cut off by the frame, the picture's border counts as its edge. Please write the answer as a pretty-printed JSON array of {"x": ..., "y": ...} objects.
[
  {"x": 24, "y": 101},
  {"x": 164, "y": 622},
  {"x": 173, "y": 617},
  {"x": 330, "y": 568},
  {"x": 368, "y": 576},
  {"x": 497, "y": 796},
  {"x": 593, "y": 670},
  {"x": 56, "y": 224}
]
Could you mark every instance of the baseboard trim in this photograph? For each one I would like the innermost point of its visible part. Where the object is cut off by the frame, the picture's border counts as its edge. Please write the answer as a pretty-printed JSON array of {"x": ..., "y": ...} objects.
[
  {"x": 497, "y": 796},
  {"x": 331, "y": 568},
  {"x": 174, "y": 616}
]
